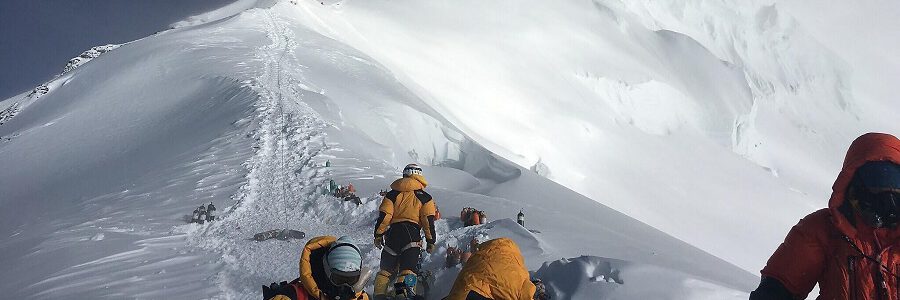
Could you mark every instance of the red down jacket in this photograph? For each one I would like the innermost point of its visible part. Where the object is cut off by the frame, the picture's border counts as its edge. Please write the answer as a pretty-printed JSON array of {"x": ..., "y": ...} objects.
[{"x": 820, "y": 248}]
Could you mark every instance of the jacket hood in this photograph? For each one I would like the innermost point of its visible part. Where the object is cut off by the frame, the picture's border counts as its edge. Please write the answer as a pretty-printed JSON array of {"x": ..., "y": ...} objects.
[
  {"x": 409, "y": 184},
  {"x": 496, "y": 270},
  {"x": 507, "y": 246},
  {"x": 866, "y": 148}
]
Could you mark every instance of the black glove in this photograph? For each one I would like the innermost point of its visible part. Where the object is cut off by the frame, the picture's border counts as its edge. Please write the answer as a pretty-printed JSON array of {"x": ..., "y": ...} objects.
[
  {"x": 379, "y": 241},
  {"x": 772, "y": 289}
]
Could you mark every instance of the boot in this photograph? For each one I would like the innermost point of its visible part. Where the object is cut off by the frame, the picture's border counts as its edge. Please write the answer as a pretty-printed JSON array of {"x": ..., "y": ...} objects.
[
  {"x": 381, "y": 283},
  {"x": 400, "y": 284}
]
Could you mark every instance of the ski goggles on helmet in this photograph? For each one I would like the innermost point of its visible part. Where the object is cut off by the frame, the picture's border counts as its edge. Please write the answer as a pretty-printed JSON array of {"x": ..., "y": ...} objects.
[
  {"x": 339, "y": 277},
  {"x": 343, "y": 278},
  {"x": 412, "y": 169}
]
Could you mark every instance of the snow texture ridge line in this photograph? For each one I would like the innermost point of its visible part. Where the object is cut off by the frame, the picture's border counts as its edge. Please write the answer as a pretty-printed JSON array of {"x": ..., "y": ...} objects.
[
  {"x": 282, "y": 180},
  {"x": 257, "y": 111},
  {"x": 41, "y": 90}
]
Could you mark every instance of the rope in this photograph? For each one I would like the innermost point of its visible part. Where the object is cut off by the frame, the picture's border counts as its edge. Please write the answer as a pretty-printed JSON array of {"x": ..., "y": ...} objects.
[
  {"x": 882, "y": 284},
  {"x": 877, "y": 261},
  {"x": 284, "y": 141},
  {"x": 282, "y": 134},
  {"x": 284, "y": 188}
]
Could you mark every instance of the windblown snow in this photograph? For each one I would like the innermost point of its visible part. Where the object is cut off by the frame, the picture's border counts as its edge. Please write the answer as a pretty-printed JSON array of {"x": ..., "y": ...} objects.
[{"x": 659, "y": 149}]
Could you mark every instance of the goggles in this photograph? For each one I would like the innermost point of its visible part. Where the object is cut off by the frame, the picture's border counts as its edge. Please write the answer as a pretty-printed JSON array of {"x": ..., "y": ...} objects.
[
  {"x": 879, "y": 209},
  {"x": 412, "y": 170},
  {"x": 343, "y": 278}
]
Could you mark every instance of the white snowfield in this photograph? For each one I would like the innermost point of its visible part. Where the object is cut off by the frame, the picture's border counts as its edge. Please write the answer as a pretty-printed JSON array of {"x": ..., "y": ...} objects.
[{"x": 673, "y": 143}]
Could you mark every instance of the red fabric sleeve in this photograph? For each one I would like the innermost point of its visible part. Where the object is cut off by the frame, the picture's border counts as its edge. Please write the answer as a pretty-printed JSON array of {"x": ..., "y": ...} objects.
[
  {"x": 799, "y": 262},
  {"x": 300, "y": 291}
]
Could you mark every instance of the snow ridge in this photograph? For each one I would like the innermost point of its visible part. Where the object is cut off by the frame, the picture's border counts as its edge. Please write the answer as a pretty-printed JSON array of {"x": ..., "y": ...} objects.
[
  {"x": 282, "y": 189},
  {"x": 43, "y": 89},
  {"x": 88, "y": 55}
]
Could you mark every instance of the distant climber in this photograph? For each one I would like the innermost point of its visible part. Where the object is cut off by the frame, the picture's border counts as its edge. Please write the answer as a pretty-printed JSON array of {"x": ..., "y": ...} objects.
[
  {"x": 540, "y": 290},
  {"x": 330, "y": 269},
  {"x": 404, "y": 211},
  {"x": 471, "y": 216},
  {"x": 453, "y": 257},
  {"x": 465, "y": 255},
  {"x": 496, "y": 271},
  {"x": 195, "y": 216},
  {"x": 347, "y": 193},
  {"x": 210, "y": 212},
  {"x": 852, "y": 248},
  {"x": 341, "y": 192},
  {"x": 199, "y": 215}
]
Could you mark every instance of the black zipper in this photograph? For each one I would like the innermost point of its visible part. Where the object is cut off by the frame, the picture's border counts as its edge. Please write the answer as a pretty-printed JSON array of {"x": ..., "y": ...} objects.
[{"x": 851, "y": 277}]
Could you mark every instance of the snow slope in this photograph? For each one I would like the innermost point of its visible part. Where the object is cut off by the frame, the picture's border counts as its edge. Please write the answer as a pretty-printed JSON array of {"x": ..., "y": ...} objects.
[
  {"x": 590, "y": 277},
  {"x": 104, "y": 167},
  {"x": 38, "y": 36},
  {"x": 705, "y": 119},
  {"x": 673, "y": 142}
]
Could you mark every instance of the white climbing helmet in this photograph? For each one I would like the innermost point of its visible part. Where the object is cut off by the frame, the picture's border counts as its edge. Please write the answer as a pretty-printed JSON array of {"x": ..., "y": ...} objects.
[
  {"x": 343, "y": 262},
  {"x": 411, "y": 169}
]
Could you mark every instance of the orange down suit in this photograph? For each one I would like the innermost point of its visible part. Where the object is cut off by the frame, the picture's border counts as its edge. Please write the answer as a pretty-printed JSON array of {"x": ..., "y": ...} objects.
[{"x": 822, "y": 247}]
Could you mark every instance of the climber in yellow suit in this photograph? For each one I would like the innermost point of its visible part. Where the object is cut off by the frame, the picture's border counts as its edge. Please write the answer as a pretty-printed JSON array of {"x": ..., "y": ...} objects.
[
  {"x": 405, "y": 211},
  {"x": 330, "y": 269},
  {"x": 496, "y": 271}
]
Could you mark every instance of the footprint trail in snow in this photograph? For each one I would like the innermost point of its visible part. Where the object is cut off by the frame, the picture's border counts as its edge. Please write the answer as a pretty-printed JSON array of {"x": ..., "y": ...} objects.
[{"x": 283, "y": 182}]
